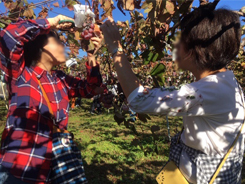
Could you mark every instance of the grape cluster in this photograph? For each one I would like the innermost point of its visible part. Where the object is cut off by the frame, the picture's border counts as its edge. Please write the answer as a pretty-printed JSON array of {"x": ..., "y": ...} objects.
[{"x": 88, "y": 31}]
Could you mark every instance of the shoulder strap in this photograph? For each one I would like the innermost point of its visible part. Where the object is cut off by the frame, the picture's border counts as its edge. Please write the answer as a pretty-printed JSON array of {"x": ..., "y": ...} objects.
[
  {"x": 45, "y": 97},
  {"x": 229, "y": 151},
  {"x": 55, "y": 128}
]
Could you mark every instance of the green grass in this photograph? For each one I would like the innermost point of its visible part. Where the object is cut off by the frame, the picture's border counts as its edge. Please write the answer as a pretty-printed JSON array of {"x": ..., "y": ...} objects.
[{"x": 108, "y": 153}]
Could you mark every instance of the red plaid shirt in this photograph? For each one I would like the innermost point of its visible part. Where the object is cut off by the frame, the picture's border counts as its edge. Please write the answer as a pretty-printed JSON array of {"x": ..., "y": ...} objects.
[{"x": 26, "y": 144}]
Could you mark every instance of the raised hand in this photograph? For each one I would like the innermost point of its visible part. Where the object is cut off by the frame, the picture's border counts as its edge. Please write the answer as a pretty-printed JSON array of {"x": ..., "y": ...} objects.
[
  {"x": 111, "y": 34},
  {"x": 54, "y": 22},
  {"x": 97, "y": 41}
]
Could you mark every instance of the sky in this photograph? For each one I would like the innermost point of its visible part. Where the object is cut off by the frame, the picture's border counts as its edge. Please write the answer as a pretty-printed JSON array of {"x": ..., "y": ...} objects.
[{"x": 117, "y": 14}]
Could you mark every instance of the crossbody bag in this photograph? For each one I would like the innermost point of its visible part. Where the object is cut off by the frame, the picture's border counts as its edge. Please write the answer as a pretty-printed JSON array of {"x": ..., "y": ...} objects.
[{"x": 67, "y": 165}]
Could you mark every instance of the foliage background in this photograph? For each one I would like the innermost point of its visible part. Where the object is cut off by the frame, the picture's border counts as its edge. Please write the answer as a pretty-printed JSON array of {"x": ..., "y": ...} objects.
[{"x": 148, "y": 34}]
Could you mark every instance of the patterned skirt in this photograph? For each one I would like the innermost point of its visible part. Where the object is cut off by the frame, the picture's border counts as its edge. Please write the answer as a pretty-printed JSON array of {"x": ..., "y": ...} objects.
[{"x": 207, "y": 164}]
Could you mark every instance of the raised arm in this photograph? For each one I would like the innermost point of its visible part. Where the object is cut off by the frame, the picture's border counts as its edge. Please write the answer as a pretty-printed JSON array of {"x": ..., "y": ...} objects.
[
  {"x": 167, "y": 101},
  {"x": 176, "y": 102},
  {"x": 84, "y": 88},
  {"x": 12, "y": 40},
  {"x": 126, "y": 77}
]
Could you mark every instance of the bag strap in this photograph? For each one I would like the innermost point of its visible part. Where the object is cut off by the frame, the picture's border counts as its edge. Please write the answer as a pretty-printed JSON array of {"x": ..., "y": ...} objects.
[
  {"x": 231, "y": 148},
  {"x": 55, "y": 128},
  {"x": 45, "y": 97}
]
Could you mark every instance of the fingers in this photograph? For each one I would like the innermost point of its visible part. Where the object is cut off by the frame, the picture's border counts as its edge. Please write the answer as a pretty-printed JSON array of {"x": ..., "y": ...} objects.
[
  {"x": 96, "y": 44},
  {"x": 64, "y": 25},
  {"x": 62, "y": 17},
  {"x": 96, "y": 39}
]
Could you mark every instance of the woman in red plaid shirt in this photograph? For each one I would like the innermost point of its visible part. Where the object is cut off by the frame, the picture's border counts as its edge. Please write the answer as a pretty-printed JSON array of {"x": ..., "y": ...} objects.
[{"x": 29, "y": 49}]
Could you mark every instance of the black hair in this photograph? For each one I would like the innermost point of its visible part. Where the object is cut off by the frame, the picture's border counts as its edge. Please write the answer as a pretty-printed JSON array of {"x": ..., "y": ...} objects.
[
  {"x": 213, "y": 36},
  {"x": 33, "y": 49}
]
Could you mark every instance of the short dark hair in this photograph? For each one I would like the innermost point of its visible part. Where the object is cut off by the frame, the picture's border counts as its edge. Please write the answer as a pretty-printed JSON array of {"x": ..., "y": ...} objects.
[
  {"x": 33, "y": 49},
  {"x": 214, "y": 36}
]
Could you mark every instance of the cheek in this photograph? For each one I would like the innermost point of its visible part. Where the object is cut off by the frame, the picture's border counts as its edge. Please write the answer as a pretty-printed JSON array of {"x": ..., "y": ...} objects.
[{"x": 57, "y": 51}]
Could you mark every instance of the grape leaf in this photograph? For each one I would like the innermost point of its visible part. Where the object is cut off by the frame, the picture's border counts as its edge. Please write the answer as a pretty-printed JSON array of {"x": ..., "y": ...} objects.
[
  {"x": 144, "y": 117},
  {"x": 43, "y": 14},
  {"x": 10, "y": 5},
  {"x": 147, "y": 56},
  {"x": 108, "y": 7},
  {"x": 147, "y": 6},
  {"x": 32, "y": 5},
  {"x": 243, "y": 42},
  {"x": 155, "y": 57},
  {"x": 119, "y": 120},
  {"x": 77, "y": 35},
  {"x": 158, "y": 72},
  {"x": 28, "y": 13},
  {"x": 122, "y": 24},
  {"x": 154, "y": 128},
  {"x": 128, "y": 5},
  {"x": 203, "y": 2},
  {"x": 242, "y": 9},
  {"x": 70, "y": 2},
  {"x": 170, "y": 7},
  {"x": 96, "y": 10},
  {"x": 186, "y": 7},
  {"x": 2, "y": 25}
]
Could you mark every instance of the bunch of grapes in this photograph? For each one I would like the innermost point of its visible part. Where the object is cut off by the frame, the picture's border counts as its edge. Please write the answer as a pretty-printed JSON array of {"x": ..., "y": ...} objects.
[{"x": 88, "y": 31}]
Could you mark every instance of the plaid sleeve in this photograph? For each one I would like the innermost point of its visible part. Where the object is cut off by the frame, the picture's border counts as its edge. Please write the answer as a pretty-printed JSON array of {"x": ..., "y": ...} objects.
[
  {"x": 12, "y": 41},
  {"x": 84, "y": 88}
]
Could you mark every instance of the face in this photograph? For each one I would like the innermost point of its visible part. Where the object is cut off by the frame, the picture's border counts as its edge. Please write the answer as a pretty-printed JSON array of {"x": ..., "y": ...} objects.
[
  {"x": 54, "y": 51},
  {"x": 183, "y": 57}
]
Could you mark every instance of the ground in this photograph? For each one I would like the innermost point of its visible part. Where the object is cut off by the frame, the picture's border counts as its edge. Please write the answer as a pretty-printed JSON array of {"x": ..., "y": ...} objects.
[{"x": 108, "y": 153}]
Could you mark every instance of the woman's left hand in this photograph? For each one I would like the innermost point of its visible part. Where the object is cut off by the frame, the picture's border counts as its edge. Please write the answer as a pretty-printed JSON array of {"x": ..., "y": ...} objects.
[{"x": 97, "y": 41}]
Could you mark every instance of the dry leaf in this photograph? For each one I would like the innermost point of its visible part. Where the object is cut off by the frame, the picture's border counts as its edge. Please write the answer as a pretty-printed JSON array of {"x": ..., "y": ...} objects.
[
  {"x": 170, "y": 7},
  {"x": 28, "y": 13},
  {"x": 77, "y": 35},
  {"x": 56, "y": 4}
]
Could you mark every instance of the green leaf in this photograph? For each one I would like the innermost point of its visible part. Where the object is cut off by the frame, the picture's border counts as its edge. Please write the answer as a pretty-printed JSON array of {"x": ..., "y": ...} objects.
[
  {"x": 2, "y": 25},
  {"x": 155, "y": 57},
  {"x": 8, "y": 21},
  {"x": 158, "y": 69},
  {"x": 147, "y": 40},
  {"x": 158, "y": 72},
  {"x": 91, "y": 46},
  {"x": 147, "y": 56},
  {"x": 70, "y": 2},
  {"x": 103, "y": 49}
]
